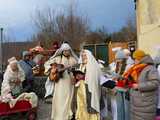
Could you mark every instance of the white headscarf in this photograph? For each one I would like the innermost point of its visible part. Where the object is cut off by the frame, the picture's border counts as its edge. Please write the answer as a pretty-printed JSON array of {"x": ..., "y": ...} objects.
[
  {"x": 12, "y": 60},
  {"x": 92, "y": 79},
  {"x": 116, "y": 49},
  {"x": 59, "y": 52},
  {"x": 126, "y": 51},
  {"x": 63, "y": 47}
]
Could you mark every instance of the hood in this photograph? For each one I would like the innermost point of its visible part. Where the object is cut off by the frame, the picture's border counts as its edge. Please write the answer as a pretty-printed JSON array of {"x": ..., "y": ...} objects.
[
  {"x": 147, "y": 60},
  {"x": 157, "y": 60}
]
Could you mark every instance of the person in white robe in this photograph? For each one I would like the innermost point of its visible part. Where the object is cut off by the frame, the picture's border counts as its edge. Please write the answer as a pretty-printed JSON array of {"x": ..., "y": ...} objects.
[
  {"x": 13, "y": 78},
  {"x": 104, "y": 113},
  {"x": 63, "y": 90},
  {"x": 119, "y": 102},
  {"x": 130, "y": 61},
  {"x": 88, "y": 89},
  {"x": 11, "y": 89}
]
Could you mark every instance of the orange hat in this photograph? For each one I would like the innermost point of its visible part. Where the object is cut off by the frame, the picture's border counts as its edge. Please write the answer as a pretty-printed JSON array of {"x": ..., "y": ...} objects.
[{"x": 139, "y": 54}]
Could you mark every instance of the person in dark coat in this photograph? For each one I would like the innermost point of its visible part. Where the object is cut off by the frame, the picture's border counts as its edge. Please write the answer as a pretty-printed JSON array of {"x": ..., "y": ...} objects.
[{"x": 27, "y": 65}]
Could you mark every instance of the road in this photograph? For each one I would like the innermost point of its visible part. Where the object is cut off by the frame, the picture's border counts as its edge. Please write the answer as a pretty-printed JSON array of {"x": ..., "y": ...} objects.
[{"x": 44, "y": 110}]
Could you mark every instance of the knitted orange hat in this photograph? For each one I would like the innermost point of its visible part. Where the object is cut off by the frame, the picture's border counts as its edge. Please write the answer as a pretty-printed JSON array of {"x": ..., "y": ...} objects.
[{"x": 139, "y": 54}]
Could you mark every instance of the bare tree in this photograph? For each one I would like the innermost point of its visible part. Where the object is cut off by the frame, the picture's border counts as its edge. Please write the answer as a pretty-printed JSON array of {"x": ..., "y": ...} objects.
[
  {"x": 127, "y": 33},
  {"x": 45, "y": 23},
  {"x": 69, "y": 27}
]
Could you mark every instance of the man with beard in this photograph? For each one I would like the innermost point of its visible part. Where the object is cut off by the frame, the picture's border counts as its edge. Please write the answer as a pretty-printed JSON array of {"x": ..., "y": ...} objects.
[{"x": 63, "y": 88}]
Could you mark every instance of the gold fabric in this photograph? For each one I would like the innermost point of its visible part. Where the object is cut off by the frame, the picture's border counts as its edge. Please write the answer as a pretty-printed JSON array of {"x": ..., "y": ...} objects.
[{"x": 82, "y": 113}]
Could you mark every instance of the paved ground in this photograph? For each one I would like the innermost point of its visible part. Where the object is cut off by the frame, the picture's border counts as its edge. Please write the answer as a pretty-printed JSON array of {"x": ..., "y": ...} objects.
[{"x": 44, "y": 111}]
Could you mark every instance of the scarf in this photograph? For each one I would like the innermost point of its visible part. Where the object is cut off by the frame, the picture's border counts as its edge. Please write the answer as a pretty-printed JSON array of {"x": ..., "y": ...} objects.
[{"x": 131, "y": 76}]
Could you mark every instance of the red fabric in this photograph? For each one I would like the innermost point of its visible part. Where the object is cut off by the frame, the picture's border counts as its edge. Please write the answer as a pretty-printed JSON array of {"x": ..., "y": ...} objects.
[
  {"x": 37, "y": 48},
  {"x": 121, "y": 83},
  {"x": 21, "y": 106},
  {"x": 134, "y": 72},
  {"x": 124, "y": 83},
  {"x": 157, "y": 118},
  {"x": 82, "y": 78}
]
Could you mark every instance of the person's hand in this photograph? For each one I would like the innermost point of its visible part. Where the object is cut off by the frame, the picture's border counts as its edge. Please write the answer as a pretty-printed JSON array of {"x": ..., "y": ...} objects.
[
  {"x": 114, "y": 91},
  {"x": 135, "y": 86},
  {"x": 114, "y": 78}
]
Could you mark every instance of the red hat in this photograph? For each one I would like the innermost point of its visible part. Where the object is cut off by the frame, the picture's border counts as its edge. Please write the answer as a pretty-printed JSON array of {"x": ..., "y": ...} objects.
[{"x": 55, "y": 45}]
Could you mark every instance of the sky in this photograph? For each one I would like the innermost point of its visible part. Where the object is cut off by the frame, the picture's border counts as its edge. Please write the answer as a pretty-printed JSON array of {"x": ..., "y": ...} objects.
[{"x": 16, "y": 16}]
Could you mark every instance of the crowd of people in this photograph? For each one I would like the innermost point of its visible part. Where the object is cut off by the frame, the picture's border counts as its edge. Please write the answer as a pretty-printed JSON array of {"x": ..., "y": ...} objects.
[
  {"x": 133, "y": 91},
  {"x": 81, "y": 89}
]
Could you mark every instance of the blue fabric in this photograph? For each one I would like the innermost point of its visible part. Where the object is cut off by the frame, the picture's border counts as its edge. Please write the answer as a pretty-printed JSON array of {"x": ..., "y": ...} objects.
[
  {"x": 120, "y": 55},
  {"x": 123, "y": 106},
  {"x": 27, "y": 67}
]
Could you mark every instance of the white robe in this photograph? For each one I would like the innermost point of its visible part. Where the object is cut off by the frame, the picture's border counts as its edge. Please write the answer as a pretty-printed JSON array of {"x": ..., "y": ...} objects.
[
  {"x": 63, "y": 92},
  {"x": 114, "y": 104},
  {"x": 8, "y": 85},
  {"x": 9, "y": 78},
  {"x": 49, "y": 86}
]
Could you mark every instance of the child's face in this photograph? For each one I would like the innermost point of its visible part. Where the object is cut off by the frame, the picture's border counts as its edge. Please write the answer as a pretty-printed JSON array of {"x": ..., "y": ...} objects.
[{"x": 79, "y": 76}]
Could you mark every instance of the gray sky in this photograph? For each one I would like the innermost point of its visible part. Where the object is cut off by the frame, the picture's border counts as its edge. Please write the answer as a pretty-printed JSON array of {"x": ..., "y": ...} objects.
[{"x": 16, "y": 15}]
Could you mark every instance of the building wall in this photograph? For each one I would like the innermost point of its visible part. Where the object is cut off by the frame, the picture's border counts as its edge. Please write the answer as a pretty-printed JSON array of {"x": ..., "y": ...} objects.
[
  {"x": 148, "y": 25},
  {"x": 108, "y": 53},
  {"x": 15, "y": 49}
]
